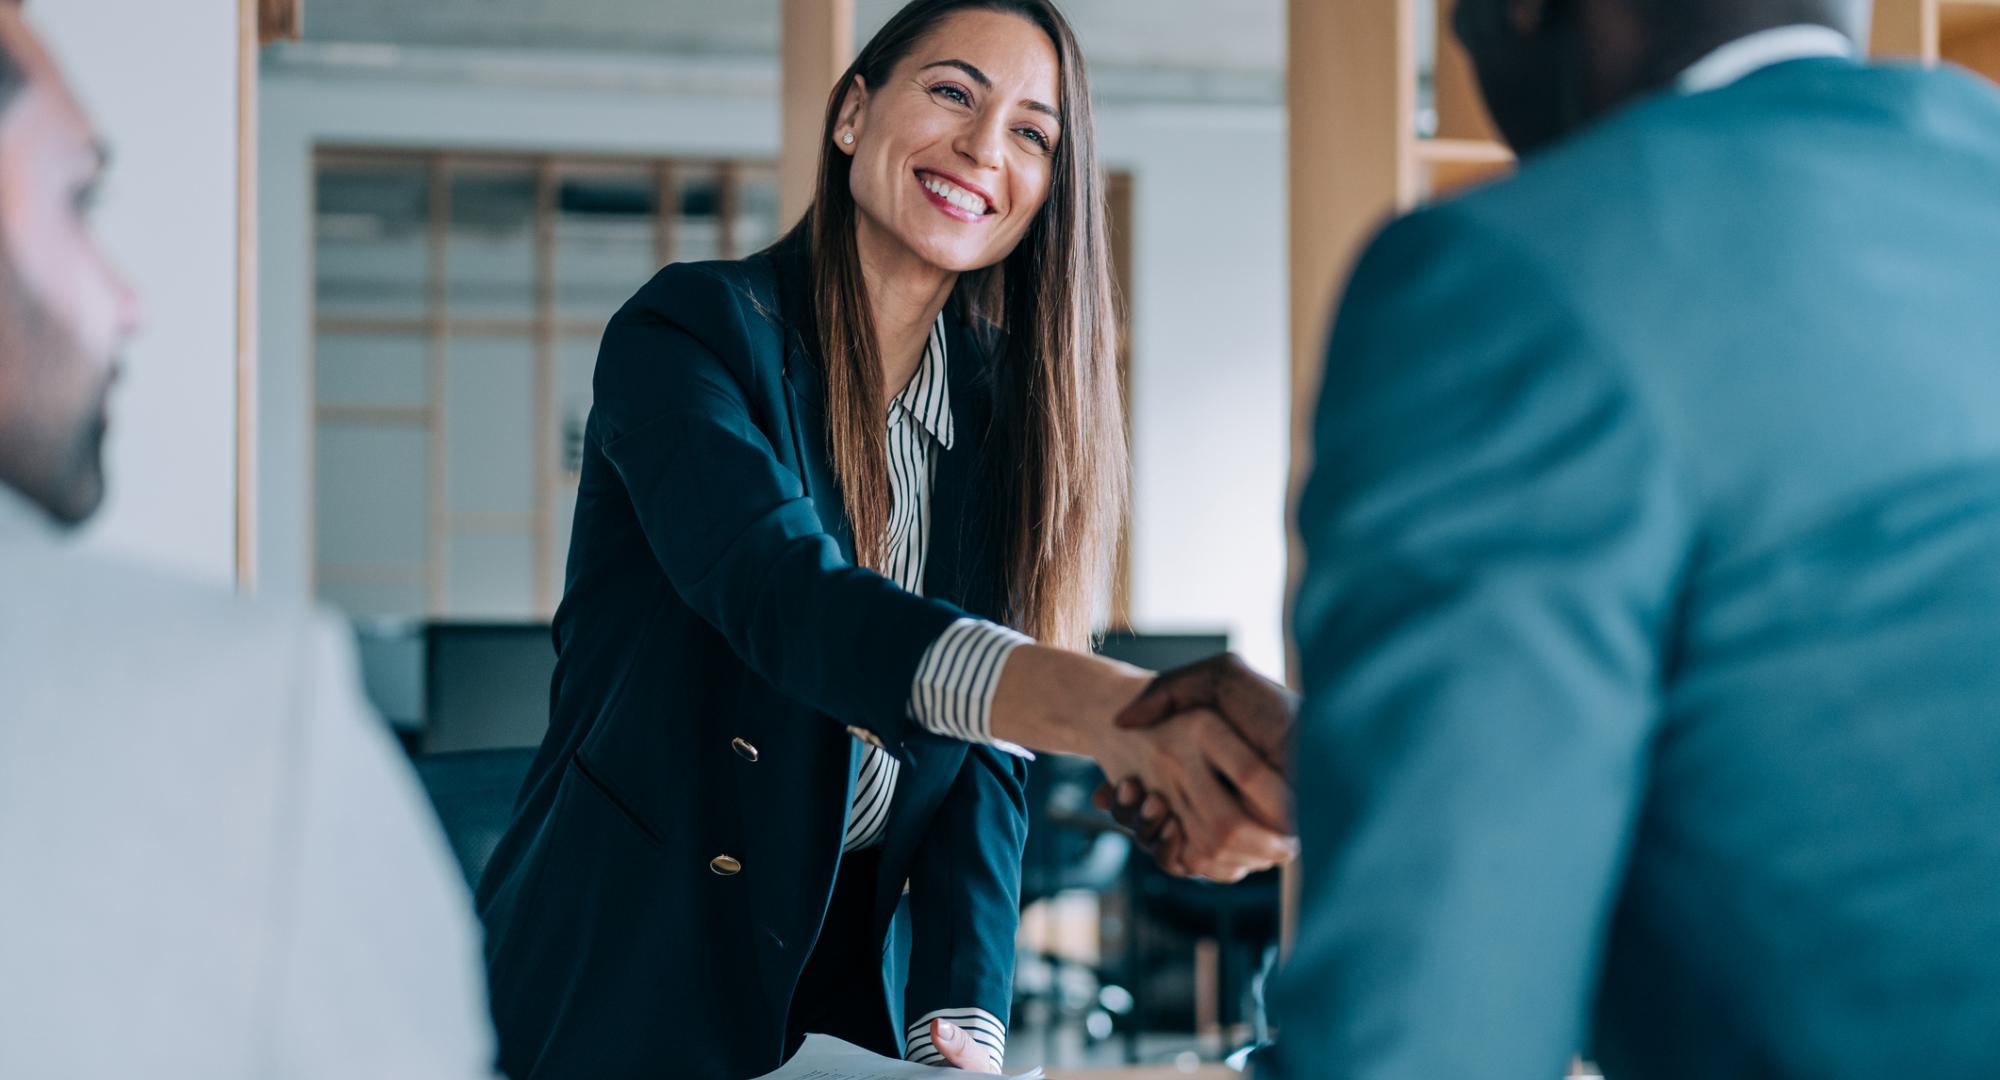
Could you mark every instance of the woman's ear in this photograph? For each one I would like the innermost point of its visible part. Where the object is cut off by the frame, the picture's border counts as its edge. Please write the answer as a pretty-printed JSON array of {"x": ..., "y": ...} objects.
[{"x": 853, "y": 107}]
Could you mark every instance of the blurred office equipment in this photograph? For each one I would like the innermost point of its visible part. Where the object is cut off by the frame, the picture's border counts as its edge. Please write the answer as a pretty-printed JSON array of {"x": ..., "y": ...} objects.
[
  {"x": 1229, "y": 925},
  {"x": 391, "y": 652},
  {"x": 450, "y": 687},
  {"x": 473, "y": 792},
  {"x": 1073, "y": 848},
  {"x": 1234, "y": 928},
  {"x": 1168, "y": 964},
  {"x": 486, "y": 685}
]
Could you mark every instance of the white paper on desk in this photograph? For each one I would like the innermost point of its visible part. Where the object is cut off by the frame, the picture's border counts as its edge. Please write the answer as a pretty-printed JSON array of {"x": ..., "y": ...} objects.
[{"x": 824, "y": 1057}]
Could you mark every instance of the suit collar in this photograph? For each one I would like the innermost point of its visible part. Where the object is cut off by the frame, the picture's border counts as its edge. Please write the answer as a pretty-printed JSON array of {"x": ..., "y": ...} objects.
[
  {"x": 963, "y": 564},
  {"x": 805, "y": 387},
  {"x": 1752, "y": 53}
]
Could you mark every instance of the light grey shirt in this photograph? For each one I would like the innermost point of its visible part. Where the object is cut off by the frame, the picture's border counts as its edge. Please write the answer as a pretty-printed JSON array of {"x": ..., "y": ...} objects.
[{"x": 213, "y": 862}]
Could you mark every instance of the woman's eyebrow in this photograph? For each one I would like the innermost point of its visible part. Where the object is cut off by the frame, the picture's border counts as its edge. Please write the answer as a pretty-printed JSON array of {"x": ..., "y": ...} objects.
[{"x": 985, "y": 83}]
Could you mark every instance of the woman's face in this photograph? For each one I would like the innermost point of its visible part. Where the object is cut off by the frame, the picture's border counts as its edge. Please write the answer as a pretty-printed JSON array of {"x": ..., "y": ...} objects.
[{"x": 953, "y": 155}]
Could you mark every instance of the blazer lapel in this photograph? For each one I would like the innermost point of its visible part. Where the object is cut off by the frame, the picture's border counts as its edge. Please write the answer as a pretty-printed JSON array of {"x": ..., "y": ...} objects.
[
  {"x": 960, "y": 566},
  {"x": 805, "y": 389}
]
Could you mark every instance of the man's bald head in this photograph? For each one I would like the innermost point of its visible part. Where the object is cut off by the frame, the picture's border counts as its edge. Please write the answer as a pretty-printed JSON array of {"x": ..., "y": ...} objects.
[
  {"x": 1549, "y": 66},
  {"x": 65, "y": 312}
]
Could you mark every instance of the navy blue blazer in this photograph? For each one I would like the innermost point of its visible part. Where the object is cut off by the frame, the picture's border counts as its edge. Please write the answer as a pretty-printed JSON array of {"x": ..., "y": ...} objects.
[{"x": 720, "y": 662}]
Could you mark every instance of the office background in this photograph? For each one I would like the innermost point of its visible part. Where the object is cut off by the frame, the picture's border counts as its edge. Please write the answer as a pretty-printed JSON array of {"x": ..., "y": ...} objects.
[
  {"x": 375, "y": 256},
  {"x": 1195, "y": 120}
]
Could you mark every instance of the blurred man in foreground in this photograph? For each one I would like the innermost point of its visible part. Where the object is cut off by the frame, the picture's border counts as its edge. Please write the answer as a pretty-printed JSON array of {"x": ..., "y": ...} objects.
[
  {"x": 212, "y": 863},
  {"x": 1651, "y": 624}
]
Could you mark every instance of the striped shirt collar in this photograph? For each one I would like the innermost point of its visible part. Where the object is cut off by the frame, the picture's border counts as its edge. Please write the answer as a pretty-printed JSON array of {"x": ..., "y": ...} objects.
[{"x": 927, "y": 399}]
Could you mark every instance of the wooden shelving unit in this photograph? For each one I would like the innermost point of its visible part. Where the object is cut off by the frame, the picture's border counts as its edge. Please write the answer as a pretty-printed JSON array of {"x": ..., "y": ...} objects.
[
  {"x": 1467, "y": 150},
  {"x": 1357, "y": 156},
  {"x": 1963, "y": 32}
]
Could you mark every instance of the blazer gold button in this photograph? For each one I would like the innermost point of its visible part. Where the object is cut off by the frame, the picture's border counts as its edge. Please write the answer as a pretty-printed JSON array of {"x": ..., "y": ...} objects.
[
  {"x": 725, "y": 865},
  {"x": 745, "y": 751}
]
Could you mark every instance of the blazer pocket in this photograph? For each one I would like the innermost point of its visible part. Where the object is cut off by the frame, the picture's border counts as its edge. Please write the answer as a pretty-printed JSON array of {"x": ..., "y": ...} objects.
[{"x": 584, "y": 772}]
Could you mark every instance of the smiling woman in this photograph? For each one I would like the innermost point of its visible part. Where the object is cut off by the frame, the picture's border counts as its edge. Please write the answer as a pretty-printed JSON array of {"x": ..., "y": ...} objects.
[
  {"x": 824, "y": 491},
  {"x": 948, "y": 126}
]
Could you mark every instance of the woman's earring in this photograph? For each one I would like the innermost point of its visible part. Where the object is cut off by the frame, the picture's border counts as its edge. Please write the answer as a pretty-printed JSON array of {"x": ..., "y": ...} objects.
[{"x": 847, "y": 139}]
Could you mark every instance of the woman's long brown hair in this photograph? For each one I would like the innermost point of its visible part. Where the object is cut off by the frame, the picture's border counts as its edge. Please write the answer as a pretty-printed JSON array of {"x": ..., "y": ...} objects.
[{"x": 1058, "y": 414}]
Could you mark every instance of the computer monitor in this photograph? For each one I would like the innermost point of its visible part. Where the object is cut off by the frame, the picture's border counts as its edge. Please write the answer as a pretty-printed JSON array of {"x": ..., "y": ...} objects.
[
  {"x": 486, "y": 685},
  {"x": 1161, "y": 652}
]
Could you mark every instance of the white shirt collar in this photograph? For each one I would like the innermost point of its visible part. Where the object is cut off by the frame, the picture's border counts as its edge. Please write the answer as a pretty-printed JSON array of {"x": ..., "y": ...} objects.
[{"x": 1754, "y": 53}]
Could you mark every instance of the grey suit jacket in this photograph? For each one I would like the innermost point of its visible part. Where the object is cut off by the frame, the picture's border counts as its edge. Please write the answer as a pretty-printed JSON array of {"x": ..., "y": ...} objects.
[{"x": 212, "y": 862}]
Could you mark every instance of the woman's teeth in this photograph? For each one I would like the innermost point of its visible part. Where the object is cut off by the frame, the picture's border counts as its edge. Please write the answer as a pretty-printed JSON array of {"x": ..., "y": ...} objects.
[{"x": 955, "y": 195}]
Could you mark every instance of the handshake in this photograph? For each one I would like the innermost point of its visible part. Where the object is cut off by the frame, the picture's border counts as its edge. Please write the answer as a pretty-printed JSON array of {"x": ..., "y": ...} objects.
[{"x": 1197, "y": 759}]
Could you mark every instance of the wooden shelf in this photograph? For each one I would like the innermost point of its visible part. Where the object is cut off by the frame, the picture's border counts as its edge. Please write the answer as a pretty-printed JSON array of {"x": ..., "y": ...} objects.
[
  {"x": 1963, "y": 32},
  {"x": 1959, "y": 17},
  {"x": 1463, "y": 152},
  {"x": 1453, "y": 164},
  {"x": 1969, "y": 35}
]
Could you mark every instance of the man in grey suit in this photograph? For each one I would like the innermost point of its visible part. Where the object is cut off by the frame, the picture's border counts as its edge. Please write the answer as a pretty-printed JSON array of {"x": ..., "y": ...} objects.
[
  {"x": 1651, "y": 623},
  {"x": 212, "y": 864}
]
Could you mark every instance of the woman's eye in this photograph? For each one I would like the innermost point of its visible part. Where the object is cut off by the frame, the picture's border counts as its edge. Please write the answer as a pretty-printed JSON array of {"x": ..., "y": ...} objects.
[
  {"x": 1035, "y": 136},
  {"x": 952, "y": 93}
]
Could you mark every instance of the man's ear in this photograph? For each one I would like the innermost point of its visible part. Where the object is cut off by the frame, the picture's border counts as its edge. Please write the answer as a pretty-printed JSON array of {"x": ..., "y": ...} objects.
[{"x": 853, "y": 108}]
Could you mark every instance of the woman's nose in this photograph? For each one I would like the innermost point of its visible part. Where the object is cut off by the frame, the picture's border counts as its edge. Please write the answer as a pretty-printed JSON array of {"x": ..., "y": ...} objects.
[{"x": 979, "y": 141}]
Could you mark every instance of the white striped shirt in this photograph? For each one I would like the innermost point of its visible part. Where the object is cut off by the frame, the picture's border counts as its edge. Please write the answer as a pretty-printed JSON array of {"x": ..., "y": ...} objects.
[{"x": 952, "y": 694}]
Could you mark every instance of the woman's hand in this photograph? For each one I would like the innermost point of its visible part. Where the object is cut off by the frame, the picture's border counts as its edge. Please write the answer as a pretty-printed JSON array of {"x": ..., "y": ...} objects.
[
  {"x": 959, "y": 1049},
  {"x": 1214, "y": 808},
  {"x": 1262, "y": 710},
  {"x": 1232, "y": 807}
]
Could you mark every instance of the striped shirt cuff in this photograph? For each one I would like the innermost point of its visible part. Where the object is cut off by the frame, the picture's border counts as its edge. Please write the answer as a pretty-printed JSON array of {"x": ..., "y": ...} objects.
[
  {"x": 988, "y": 1035},
  {"x": 953, "y": 692}
]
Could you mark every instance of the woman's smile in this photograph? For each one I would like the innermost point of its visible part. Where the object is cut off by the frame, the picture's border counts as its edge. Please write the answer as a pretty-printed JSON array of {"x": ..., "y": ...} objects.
[{"x": 955, "y": 197}]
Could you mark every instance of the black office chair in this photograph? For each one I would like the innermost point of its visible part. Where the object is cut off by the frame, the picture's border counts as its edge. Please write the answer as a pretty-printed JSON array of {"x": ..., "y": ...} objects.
[
  {"x": 1241, "y": 919},
  {"x": 473, "y": 792},
  {"x": 1071, "y": 847}
]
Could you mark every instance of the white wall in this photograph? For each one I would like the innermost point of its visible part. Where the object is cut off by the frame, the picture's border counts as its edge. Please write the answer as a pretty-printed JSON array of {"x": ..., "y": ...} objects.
[
  {"x": 1210, "y": 369},
  {"x": 160, "y": 80},
  {"x": 1210, "y": 355}
]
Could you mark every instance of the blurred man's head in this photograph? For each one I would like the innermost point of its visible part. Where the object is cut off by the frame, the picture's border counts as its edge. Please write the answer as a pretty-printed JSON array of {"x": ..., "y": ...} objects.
[
  {"x": 1549, "y": 66},
  {"x": 64, "y": 310}
]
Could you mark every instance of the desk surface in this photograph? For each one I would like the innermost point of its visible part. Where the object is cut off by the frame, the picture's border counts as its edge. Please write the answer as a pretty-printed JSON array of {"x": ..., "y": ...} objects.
[{"x": 1147, "y": 1072}]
